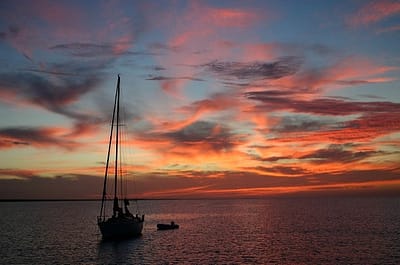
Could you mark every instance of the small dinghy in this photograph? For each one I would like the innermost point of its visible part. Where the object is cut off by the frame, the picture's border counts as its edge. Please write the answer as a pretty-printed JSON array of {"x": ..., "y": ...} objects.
[{"x": 172, "y": 225}]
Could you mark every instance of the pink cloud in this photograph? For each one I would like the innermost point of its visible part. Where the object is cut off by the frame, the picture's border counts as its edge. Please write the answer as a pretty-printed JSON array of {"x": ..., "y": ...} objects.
[
  {"x": 346, "y": 72},
  {"x": 260, "y": 51},
  {"x": 43, "y": 22},
  {"x": 374, "y": 12},
  {"x": 83, "y": 129},
  {"x": 173, "y": 87},
  {"x": 198, "y": 37},
  {"x": 228, "y": 17},
  {"x": 122, "y": 44},
  {"x": 357, "y": 68},
  {"x": 389, "y": 29},
  {"x": 49, "y": 23}
]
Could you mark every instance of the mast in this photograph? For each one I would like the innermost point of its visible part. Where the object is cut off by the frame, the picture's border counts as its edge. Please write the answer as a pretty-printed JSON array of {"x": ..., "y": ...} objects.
[
  {"x": 102, "y": 212},
  {"x": 116, "y": 206}
]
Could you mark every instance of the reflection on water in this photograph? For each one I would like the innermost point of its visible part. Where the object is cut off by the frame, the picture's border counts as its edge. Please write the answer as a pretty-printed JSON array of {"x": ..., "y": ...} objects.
[
  {"x": 269, "y": 231},
  {"x": 120, "y": 252}
]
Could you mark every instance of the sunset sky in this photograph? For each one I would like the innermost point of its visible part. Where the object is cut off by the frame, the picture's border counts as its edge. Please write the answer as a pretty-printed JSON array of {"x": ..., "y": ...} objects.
[{"x": 222, "y": 98}]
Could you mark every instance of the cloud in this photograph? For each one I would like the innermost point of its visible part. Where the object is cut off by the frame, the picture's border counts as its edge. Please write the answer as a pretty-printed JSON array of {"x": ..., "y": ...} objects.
[
  {"x": 366, "y": 128},
  {"x": 85, "y": 49},
  {"x": 48, "y": 24},
  {"x": 197, "y": 138},
  {"x": 381, "y": 122},
  {"x": 51, "y": 16},
  {"x": 217, "y": 102},
  {"x": 44, "y": 92},
  {"x": 257, "y": 108},
  {"x": 337, "y": 153},
  {"x": 157, "y": 68},
  {"x": 330, "y": 123},
  {"x": 208, "y": 134},
  {"x": 37, "y": 137},
  {"x": 163, "y": 78},
  {"x": 53, "y": 94},
  {"x": 228, "y": 17},
  {"x": 348, "y": 71},
  {"x": 18, "y": 174},
  {"x": 196, "y": 37},
  {"x": 282, "y": 101},
  {"x": 172, "y": 85},
  {"x": 31, "y": 185},
  {"x": 304, "y": 123},
  {"x": 195, "y": 111},
  {"x": 281, "y": 171},
  {"x": 199, "y": 145},
  {"x": 201, "y": 21},
  {"x": 389, "y": 29},
  {"x": 373, "y": 12},
  {"x": 255, "y": 70},
  {"x": 51, "y": 72},
  {"x": 11, "y": 32},
  {"x": 93, "y": 50},
  {"x": 156, "y": 48}
]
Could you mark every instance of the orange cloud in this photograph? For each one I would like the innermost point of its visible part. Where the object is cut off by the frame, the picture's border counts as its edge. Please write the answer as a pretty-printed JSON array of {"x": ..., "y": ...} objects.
[
  {"x": 173, "y": 87},
  {"x": 346, "y": 72},
  {"x": 262, "y": 191},
  {"x": 38, "y": 137},
  {"x": 357, "y": 69},
  {"x": 232, "y": 185}
]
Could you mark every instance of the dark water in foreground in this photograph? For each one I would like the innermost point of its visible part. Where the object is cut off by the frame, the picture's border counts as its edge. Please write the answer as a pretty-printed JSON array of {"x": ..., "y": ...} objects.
[{"x": 265, "y": 231}]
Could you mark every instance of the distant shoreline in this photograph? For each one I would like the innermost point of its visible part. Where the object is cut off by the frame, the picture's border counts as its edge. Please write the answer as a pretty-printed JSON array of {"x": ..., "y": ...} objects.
[{"x": 391, "y": 194}]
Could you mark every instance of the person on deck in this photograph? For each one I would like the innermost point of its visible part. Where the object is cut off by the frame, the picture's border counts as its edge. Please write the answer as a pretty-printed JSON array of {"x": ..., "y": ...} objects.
[{"x": 127, "y": 212}]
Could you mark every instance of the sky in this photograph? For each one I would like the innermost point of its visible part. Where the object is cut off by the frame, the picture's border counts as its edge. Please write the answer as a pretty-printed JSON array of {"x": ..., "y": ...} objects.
[{"x": 221, "y": 98}]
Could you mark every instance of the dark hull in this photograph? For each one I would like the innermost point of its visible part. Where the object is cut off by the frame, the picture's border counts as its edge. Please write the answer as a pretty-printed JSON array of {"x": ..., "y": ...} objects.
[
  {"x": 167, "y": 226},
  {"x": 115, "y": 228}
]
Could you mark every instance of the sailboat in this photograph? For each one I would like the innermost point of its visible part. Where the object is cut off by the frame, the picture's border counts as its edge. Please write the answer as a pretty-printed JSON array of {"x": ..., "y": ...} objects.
[{"x": 122, "y": 223}]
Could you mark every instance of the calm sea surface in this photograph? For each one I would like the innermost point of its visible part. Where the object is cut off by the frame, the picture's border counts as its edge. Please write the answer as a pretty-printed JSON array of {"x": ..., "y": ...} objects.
[{"x": 259, "y": 231}]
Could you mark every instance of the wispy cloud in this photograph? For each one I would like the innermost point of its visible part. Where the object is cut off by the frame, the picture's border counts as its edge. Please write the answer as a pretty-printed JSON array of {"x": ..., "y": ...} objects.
[
  {"x": 373, "y": 12},
  {"x": 322, "y": 106},
  {"x": 225, "y": 99},
  {"x": 90, "y": 49},
  {"x": 55, "y": 95},
  {"x": 389, "y": 29},
  {"x": 36, "y": 137},
  {"x": 31, "y": 185},
  {"x": 201, "y": 134},
  {"x": 95, "y": 50},
  {"x": 336, "y": 153},
  {"x": 43, "y": 92},
  {"x": 18, "y": 173},
  {"x": 255, "y": 70},
  {"x": 163, "y": 78}
]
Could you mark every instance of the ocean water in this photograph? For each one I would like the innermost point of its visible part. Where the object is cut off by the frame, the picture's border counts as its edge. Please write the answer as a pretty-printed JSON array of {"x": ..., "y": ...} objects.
[{"x": 240, "y": 231}]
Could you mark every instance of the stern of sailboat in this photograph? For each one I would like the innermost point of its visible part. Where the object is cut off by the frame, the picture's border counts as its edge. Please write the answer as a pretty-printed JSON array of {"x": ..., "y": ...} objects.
[{"x": 117, "y": 227}]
